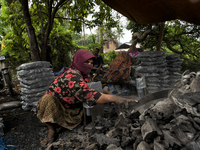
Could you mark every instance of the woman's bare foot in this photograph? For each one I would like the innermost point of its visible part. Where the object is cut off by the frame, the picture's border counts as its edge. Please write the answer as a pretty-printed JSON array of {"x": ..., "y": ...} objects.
[{"x": 50, "y": 137}]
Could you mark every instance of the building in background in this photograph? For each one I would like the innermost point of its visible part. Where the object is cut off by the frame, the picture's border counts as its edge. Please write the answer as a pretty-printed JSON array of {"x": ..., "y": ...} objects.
[
  {"x": 124, "y": 47},
  {"x": 109, "y": 45}
]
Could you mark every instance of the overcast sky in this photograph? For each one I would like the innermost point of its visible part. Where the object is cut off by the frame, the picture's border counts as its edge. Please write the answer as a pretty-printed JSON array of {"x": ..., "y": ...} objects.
[
  {"x": 126, "y": 38},
  {"x": 127, "y": 34}
]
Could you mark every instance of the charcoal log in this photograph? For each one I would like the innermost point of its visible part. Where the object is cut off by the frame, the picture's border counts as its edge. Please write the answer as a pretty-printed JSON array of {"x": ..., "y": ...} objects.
[
  {"x": 183, "y": 128},
  {"x": 122, "y": 121},
  {"x": 196, "y": 126},
  {"x": 193, "y": 145},
  {"x": 134, "y": 115},
  {"x": 143, "y": 146},
  {"x": 158, "y": 146},
  {"x": 195, "y": 84},
  {"x": 150, "y": 130},
  {"x": 183, "y": 105},
  {"x": 135, "y": 131},
  {"x": 142, "y": 117},
  {"x": 170, "y": 139},
  {"x": 113, "y": 147},
  {"x": 163, "y": 110},
  {"x": 112, "y": 133},
  {"x": 182, "y": 136},
  {"x": 102, "y": 139},
  {"x": 126, "y": 141},
  {"x": 93, "y": 146},
  {"x": 197, "y": 120},
  {"x": 137, "y": 141}
]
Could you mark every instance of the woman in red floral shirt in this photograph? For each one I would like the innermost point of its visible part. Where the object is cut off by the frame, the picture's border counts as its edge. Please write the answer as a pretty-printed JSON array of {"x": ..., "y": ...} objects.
[{"x": 62, "y": 103}]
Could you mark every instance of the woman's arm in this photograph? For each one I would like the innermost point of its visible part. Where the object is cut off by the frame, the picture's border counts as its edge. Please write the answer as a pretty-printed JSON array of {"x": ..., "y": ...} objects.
[
  {"x": 106, "y": 98},
  {"x": 120, "y": 101},
  {"x": 106, "y": 92}
]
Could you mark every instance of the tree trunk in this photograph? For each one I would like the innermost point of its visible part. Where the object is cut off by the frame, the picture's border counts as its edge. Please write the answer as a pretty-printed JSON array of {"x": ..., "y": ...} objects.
[
  {"x": 84, "y": 33},
  {"x": 162, "y": 25},
  {"x": 137, "y": 37},
  {"x": 101, "y": 39},
  {"x": 33, "y": 45}
]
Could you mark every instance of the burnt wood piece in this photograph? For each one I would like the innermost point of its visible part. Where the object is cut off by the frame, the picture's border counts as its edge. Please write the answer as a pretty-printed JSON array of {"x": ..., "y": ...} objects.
[
  {"x": 162, "y": 110},
  {"x": 193, "y": 145},
  {"x": 195, "y": 84},
  {"x": 113, "y": 147},
  {"x": 122, "y": 121},
  {"x": 197, "y": 120},
  {"x": 112, "y": 133},
  {"x": 158, "y": 146},
  {"x": 93, "y": 146},
  {"x": 195, "y": 125},
  {"x": 143, "y": 146},
  {"x": 183, "y": 128},
  {"x": 101, "y": 138},
  {"x": 170, "y": 139},
  {"x": 137, "y": 141},
  {"x": 190, "y": 98},
  {"x": 150, "y": 130},
  {"x": 135, "y": 131},
  {"x": 126, "y": 141},
  {"x": 148, "y": 100}
]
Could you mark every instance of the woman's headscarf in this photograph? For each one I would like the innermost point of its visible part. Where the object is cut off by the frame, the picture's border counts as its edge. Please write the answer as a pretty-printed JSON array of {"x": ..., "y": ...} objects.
[{"x": 79, "y": 58}]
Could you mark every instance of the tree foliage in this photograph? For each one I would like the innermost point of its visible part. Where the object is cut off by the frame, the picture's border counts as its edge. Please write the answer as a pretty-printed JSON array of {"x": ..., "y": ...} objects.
[
  {"x": 62, "y": 48},
  {"x": 179, "y": 37},
  {"x": 40, "y": 18}
]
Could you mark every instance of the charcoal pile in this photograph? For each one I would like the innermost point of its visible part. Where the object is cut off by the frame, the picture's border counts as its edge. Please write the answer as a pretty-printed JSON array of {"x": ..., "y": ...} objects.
[
  {"x": 172, "y": 124},
  {"x": 35, "y": 78}
]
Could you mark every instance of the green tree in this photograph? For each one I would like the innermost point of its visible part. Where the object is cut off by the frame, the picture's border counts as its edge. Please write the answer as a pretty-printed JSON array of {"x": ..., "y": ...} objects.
[
  {"x": 45, "y": 12},
  {"x": 17, "y": 43},
  {"x": 62, "y": 48},
  {"x": 179, "y": 37}
]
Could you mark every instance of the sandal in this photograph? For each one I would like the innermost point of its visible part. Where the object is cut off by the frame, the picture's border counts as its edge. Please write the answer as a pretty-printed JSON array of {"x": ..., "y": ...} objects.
[{"x": 46, "y": 142}]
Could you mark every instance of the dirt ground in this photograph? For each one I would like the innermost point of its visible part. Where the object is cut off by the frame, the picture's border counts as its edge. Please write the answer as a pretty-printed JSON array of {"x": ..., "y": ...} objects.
[
  {"x": 21, "y": 126},
  {"x": 24, "y": 128}
]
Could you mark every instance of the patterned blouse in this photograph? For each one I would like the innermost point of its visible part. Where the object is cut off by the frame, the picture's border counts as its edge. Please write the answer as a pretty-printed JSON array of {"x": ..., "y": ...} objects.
[{"x": 71, "y": 89}]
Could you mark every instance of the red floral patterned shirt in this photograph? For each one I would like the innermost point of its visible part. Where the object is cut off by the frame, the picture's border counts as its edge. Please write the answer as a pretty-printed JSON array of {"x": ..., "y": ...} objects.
[{"x": 71, "y": 89}]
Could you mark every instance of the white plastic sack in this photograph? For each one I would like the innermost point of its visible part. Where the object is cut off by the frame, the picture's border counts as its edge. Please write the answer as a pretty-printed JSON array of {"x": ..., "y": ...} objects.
[{"x": 140, "y": 83}]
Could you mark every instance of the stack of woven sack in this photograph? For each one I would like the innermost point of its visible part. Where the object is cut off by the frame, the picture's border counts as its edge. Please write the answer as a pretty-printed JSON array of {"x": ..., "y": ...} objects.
[
  {"x": 174, "y": 66},
  {"x": 152, "y": 65},
  {"x": 35, "y": 78}
]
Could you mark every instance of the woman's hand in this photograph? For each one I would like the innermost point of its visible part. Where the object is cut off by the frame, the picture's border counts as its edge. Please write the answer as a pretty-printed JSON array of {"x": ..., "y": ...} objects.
[
  {"x": 120, "y": 101},
  {"x": 123, "y": 102},
  {"x": 106, "y": 92}
]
